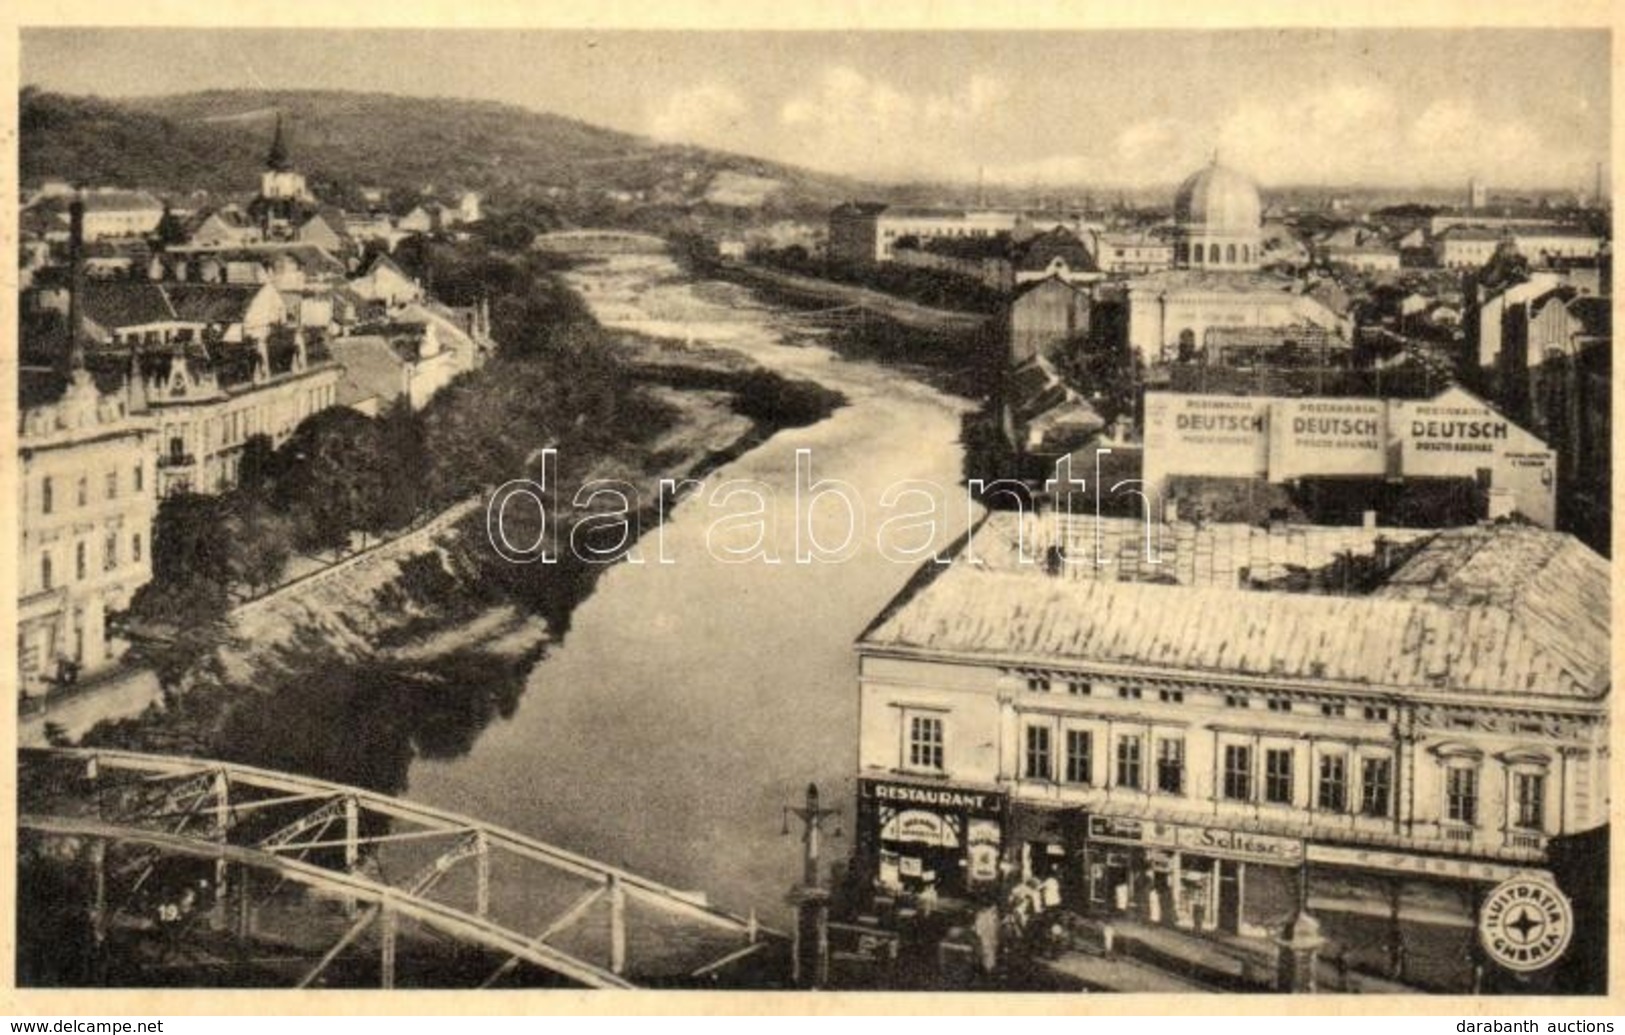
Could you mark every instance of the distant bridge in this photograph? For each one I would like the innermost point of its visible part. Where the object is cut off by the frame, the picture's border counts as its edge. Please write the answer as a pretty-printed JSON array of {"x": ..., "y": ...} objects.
[
  {"x": 231, "y": 875},
  {"x": 601, "y": 242}
]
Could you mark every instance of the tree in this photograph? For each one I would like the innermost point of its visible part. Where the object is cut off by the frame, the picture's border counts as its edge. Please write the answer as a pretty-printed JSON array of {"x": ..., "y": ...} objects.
[
  {"x": 261, "y": 541},
  {"x": 332, "y": 478},
  {"x": 189, "y": 541},
  {"x": 172, "y": 626},
  {"x": 405, "y": 490},
  {"x": 257, "y": 467}
]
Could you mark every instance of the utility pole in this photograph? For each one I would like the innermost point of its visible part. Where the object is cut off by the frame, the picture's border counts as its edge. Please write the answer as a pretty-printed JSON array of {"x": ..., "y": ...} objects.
[{"x": 809, "y": 966}]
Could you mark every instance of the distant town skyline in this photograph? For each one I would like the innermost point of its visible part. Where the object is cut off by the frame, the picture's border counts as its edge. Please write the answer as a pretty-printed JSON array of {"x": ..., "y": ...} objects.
[{"x": 1513, "y": 108}]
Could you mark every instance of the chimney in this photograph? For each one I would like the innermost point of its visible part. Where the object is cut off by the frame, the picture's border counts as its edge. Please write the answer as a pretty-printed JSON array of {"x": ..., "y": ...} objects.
[
  {"x": 75, "y": 358},
  {"x": 135, "y": 386}
]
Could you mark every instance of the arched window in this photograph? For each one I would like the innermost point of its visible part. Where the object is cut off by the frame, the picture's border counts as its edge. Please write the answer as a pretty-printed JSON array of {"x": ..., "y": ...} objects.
[
  {"x": 1230, "y": 254},
  {"x": 1246, "y": 253},
  {"x": 1213, "y": 254}
]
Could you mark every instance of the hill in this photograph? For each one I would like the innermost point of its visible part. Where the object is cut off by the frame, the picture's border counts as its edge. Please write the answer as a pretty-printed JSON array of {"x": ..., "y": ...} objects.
[{"x": 215, "y": 141}]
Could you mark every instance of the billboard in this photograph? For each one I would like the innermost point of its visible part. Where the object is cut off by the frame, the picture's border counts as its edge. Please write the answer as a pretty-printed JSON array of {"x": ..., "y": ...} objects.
[
  {"x": 1216, "y": 435},
  {"x": 1328, "y": 438},
  {"x": 1453, "y": 435}
]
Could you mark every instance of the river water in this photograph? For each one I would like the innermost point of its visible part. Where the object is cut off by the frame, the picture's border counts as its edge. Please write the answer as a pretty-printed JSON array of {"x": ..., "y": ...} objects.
[{"x": 691, "y": 700}]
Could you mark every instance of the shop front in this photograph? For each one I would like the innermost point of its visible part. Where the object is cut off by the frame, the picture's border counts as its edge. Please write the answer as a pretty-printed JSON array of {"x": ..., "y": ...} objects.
[
  {"x": 913, "y": 837},
  {"x": 1193, "y": 877},
  {"x": 1403, "y": 915}
]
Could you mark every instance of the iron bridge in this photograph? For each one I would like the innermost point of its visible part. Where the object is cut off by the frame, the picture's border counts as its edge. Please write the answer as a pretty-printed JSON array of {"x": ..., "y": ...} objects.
[{"x": 143, "y": 870}]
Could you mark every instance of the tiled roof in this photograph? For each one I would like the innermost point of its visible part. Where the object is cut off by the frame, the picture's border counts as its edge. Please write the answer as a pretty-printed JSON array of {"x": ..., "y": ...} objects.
[
  {"x": 1550, "y": 640},
  {"x": 124, "y": 303},
  {"x": 372, "y": 368},
  {"x": 1211, "y": 280},
  {"x": 1039, "y": 252},
  {"x": 130, "y": 303},
  {"x": 119, "y": 201},
  {"x": 1595, "y": 314}
]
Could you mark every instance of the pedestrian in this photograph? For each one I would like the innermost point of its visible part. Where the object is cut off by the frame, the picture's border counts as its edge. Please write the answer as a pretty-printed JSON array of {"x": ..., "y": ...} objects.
[
  {"x": 928, "y": 899},
  {"x": 1050, "y": 891},
  {"x": 987, "y": 937}
]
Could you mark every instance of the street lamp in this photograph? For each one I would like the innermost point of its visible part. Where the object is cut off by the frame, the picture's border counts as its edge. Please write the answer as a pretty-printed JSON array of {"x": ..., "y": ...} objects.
[{"x": 812, "y": 817}]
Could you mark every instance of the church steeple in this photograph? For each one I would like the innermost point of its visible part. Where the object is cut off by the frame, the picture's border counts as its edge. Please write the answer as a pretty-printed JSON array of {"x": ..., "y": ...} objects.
[{"x": 277, "y": 160}]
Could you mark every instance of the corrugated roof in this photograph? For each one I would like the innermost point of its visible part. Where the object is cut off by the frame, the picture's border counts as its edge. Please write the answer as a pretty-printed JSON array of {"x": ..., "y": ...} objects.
[{"x": 1550, "y": 640}]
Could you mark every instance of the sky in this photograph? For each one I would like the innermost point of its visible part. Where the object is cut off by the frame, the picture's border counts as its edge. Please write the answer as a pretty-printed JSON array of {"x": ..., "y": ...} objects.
[{"x": 1512, "y": 107}]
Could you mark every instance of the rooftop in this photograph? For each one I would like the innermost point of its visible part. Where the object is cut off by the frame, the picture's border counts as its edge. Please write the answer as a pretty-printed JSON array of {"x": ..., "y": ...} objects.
[{"x": 1439, "y": 624}]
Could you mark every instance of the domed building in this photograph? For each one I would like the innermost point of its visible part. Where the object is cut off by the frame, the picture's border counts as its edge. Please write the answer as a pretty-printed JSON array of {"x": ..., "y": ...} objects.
[{"x": 1218, "y": 220}]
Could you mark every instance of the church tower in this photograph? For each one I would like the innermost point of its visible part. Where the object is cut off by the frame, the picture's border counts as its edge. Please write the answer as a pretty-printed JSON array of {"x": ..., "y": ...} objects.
[{"x": 280, "y": 182}]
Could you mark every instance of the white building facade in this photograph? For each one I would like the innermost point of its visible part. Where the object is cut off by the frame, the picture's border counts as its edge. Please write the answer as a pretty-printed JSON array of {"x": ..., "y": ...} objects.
[
  {"x": 1211, "y": 758},
  {"x": 87, "y": 503}
]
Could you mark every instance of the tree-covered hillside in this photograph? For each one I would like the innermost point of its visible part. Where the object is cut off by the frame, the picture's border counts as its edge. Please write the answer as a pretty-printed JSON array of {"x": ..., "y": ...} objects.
[{"x": 216, "y": 141}]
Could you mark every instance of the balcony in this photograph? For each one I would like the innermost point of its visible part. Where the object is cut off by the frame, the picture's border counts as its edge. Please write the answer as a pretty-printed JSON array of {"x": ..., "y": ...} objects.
[
  {"x": 177, "y": 460},
  {"x": 1526, "y": 840}
]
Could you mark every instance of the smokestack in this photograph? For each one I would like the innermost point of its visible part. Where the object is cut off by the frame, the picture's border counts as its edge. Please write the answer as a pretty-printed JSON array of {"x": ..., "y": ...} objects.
[{"x": 76, "y": 240}]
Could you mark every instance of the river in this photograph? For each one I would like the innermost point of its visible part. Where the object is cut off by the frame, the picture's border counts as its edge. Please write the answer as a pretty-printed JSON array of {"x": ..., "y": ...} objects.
[{"x": 690, "y": 701}]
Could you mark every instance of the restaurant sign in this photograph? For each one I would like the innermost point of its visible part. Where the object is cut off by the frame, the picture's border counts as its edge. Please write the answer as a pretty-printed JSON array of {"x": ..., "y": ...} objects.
[{"x": 941, "y": 799}]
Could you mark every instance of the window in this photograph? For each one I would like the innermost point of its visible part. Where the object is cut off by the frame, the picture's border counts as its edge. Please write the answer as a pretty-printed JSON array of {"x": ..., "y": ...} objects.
[
  {"x": 1529, "y": 795},
  {"x": 1461, "y": 795},
  {"x": 1332, "y": 711},
  {"x": 1129, "y": 693},
  {"x": 83, "y": 486},
  {"x": 1171, "y": 765},
  {"x": 1376, "y": 779},
  {"x": 1238, "y": 772},
  {"x": 139, "y": 478},
  {"x": 1038, "y": 753},
  {"x": 1376, "y": 713},
  {"x": 45, "y": 571},
  {"x": 1235, "y": 700},
  {"x": 1278, "y": 776},
  {"x": 79, "y": 560},
  {"x": 925, "y": 742},
  {"x": 110, "y": 552},
  {"x": 1038, "y": 684},
  {"x": 1280, "y": 704},
  {"x": 135, "y": 547},
  {"x": 1172, "y": 696},
  {"x": 1079, "y": 688},
  {"x": 1128, "y": 761},
  {"x": 1079, "y": 756},
  {"x": 1334, "y": 779},
  {"x": 112, "y": 485},
  {"x": 47, "y": 496}
]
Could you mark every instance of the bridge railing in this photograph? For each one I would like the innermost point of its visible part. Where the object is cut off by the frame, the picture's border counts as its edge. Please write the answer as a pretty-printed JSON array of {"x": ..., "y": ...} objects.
[{"x": 576, "y": 917}]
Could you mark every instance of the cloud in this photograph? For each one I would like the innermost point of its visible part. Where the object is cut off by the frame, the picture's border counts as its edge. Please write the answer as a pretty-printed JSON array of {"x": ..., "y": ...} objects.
[
  {"x": 865, "y": 125},
  {"x": 710, "y": 113},
  {"x": 1338, "y": 133}
]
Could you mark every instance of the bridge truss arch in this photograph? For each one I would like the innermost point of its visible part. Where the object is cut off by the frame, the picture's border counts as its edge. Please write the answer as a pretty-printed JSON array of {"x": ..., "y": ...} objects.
[{"x": 175, "y": 870}]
